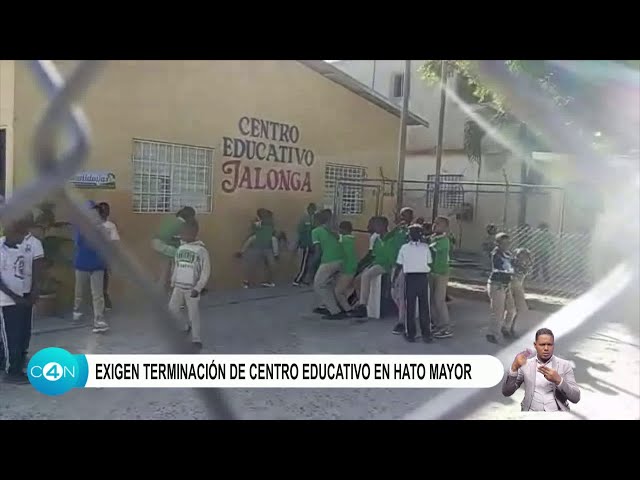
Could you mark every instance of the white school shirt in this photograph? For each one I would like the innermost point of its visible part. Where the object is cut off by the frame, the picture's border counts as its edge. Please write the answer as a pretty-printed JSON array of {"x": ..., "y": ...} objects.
[
  {"x": 12, "y": 271},
  {"x": 415, "y": 257},
  {"x": 112, "y": 230},
  {"x": 32, "y": 251}
]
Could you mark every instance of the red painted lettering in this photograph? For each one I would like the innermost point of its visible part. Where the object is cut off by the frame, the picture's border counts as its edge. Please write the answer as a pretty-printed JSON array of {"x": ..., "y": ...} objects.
[{"x": 256, "y": 178}]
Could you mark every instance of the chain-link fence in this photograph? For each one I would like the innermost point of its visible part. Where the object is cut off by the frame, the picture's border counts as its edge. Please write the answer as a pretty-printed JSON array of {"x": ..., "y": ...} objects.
[
  {"x": 54, "y": 169},
  {"x": 560, "y": 261}
]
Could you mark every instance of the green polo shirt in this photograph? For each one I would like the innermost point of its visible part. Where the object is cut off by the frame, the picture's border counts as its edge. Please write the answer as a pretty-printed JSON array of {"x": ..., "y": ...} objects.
[
  {"x": 329, "y": 243},
  {"x": 349, "y": 256},
  {"x": 383, "y": 254},
  {"x": 440, "y": 245}
]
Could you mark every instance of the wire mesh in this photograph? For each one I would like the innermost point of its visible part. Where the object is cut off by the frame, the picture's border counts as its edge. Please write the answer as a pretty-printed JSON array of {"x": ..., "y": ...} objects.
[
  {"x": 561, "y": 266},
  {"x": 53, "y": 173}
]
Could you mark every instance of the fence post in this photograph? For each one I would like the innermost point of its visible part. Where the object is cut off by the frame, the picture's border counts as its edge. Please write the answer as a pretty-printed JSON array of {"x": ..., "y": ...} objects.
[{"x": 506, "y": 199}]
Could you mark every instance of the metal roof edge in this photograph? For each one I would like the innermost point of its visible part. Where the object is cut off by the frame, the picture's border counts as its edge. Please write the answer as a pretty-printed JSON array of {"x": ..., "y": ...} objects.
[{"x": 328, "y": 71}]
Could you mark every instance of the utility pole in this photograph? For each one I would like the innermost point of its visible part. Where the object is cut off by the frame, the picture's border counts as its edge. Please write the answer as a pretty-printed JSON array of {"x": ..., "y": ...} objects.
[
  {"x": 402, "y": 147},
  {"x": 443, "y": 100}
]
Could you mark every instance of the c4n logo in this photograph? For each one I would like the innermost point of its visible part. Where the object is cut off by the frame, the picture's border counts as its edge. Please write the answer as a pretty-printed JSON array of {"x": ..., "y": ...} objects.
[{"x": 18, "y": 268}]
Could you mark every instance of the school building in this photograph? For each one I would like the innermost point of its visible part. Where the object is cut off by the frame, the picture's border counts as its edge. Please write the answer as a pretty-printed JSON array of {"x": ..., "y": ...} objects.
[{"x": 226, "y": 137}]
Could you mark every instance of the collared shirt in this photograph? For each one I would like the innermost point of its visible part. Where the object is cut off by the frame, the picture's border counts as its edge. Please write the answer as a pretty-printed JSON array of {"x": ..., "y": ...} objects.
[
  {"x": 415, "y": 257},
  {"x": 544, "y": 399}
]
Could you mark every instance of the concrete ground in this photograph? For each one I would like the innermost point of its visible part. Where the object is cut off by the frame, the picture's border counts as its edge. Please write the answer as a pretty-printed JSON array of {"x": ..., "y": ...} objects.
[{"x": 276, "y": 321}]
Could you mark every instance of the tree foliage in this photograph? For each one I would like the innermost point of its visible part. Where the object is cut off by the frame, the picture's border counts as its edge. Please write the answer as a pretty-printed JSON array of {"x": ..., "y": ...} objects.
[{"x": 582, "y": 89}]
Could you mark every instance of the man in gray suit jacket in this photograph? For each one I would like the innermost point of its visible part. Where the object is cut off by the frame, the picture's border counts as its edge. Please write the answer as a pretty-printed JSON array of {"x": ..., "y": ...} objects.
[{"x": 549, "y": 383}]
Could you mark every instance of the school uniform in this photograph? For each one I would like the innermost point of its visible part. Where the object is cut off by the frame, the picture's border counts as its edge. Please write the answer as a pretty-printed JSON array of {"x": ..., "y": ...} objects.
[
  {"x": 191, "y": 271},
  {"x": 503, "y": 308},
  {"x": 261, "y": 248},
  {"x": 415, "y": 258},
  {"x": 344, "y": 284},
  {"x": 15, "y": 320},
  {"x": 439, "y": 280},
  {"x": 33, "y": 251},
  {"x": 330, "y": 266}
]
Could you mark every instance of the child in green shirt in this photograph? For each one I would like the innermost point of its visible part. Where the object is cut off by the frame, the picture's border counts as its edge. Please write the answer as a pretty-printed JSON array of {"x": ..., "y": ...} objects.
[
  {"x": 328, "y": 249},
  {"x": 260, "y": 247},
  {"x": 344, "y": 284}
]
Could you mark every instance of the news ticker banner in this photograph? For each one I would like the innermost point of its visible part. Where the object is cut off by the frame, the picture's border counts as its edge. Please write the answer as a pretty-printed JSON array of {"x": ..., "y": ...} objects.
[{"x": 55, "y": 371}]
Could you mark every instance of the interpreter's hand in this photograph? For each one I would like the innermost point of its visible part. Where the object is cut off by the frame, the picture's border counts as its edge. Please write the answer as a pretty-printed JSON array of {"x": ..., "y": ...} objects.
[
  {"x": 195, "y": 294},
  {"x": 550, "y": 374},
  {"x": 519, "y": 361}
]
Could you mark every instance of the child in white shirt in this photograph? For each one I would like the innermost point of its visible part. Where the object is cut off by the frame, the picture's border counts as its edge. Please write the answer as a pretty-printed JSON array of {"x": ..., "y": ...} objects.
[
  {"x": 190, "y": 276},
  {"x": 34, "y": 264},
  {"x": 15, "y": 307},
  {"x": 104, "y": 210},
  {"x": 414, "y": 260}
]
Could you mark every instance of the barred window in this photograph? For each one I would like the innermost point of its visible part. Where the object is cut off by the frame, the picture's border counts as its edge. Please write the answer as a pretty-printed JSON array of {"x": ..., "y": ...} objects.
[
  {"x": 168, "y": 176},
  {"x": 352, "y": 198},
  {"x": 451, "y": 194}
]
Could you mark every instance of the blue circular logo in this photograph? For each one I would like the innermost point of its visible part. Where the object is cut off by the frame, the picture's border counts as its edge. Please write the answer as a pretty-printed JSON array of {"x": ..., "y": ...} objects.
[{"x": 54, "y": 371}]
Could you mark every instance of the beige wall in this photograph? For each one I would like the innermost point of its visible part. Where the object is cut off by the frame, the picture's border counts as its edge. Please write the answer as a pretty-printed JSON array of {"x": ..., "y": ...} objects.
[
  {"x": 199, "y": 103},
  {"x": 6, "y": 116}
]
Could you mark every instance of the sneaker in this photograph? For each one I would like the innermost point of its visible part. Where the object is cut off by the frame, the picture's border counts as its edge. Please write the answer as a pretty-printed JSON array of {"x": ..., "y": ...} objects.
[
  {"x": 398, "y": 329},
  {"x": 492, "y": 339},
  {"x": 409, "y": 339},
  {"x": 197, "y": 345},
  {"x": 321, "y": 311},
  {"x": 427, "y": 339},
  {"x": 445, "y": 333},
  {"x": 506, "y": 333},
  {"x": 77, "y": 317},
  {"x": 245, "y": 284},
  {"x": 267, "y": 284},
  {"x": 100, "y": 327},
  {"x": 335, "y": 316},
  {"x": 295, "y": 284}
]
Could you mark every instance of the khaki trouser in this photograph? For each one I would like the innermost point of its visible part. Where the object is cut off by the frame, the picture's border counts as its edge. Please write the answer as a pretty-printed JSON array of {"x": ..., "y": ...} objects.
[
  {"x": 258, "y": 256},
  {"x": 517, "y": 290},
  {"x": 503, "y": 309},
  {"x": 344, "y": 289},
  {"x": 323, "y": 284},
  {"x": 96, "y": 284},
  {"x": 439, "y": 308},
  {"x": 365, "y": 282},
  {"x": 181, "y": 297}
]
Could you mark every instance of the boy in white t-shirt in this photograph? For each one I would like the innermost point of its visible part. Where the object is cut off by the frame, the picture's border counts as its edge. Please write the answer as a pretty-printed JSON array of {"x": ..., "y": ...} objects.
[
  {"x": 104, "y": 210},
  {"x": 14, "y": 305},
  {"x": 414, "y": 260},
  {"x": 34, "y": 264}
]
